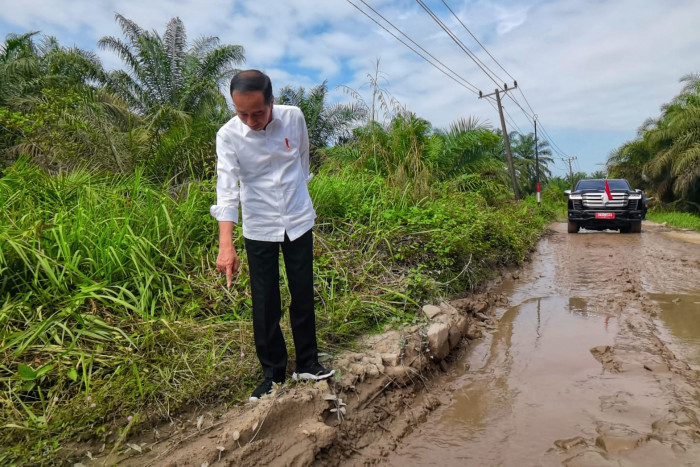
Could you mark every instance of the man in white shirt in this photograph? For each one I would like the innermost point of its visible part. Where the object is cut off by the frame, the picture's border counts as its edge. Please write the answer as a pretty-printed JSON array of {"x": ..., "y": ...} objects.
[{"x": 263, "y": 164}]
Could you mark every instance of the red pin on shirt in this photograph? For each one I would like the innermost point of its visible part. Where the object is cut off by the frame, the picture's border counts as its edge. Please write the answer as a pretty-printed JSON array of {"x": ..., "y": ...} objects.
[{"x": 286, "y": 141}]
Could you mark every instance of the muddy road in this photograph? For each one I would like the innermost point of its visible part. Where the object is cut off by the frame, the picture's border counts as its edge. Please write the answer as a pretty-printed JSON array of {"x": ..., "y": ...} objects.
[
  {"x": 587, "y": 355},
  {"x": 594, "y": 361}
]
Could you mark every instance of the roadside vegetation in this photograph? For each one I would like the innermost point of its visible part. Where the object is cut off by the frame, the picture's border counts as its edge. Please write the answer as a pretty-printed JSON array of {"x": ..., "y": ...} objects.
[
  {"x": 684, "y": 220},
  {"x": 664, "y": 158},
  {"x": 112, "y": 314}
]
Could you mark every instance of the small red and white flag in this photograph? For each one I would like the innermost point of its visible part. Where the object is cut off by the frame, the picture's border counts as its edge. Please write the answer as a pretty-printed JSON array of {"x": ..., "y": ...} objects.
[{"x": 607, "y": 190}]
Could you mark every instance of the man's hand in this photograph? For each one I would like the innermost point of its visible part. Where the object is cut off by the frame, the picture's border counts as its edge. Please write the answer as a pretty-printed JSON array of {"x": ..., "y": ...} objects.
[{"x": 227, "y": 263}]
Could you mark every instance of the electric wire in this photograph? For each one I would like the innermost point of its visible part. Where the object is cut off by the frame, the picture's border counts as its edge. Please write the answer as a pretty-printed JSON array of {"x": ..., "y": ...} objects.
[
  {"x": 511, "y": 120},
  {"x": 512, "y": 98},
  {"x": 454, "y": 75},
  {"x": 468, "y": 85},
  {"x": 460, "y": 44},
  {"x": 551, "y": 141},
  {"x": 494, "y": 59},
  {"x": 473, "y": 88},
  {"x": 477, "y": 41}
]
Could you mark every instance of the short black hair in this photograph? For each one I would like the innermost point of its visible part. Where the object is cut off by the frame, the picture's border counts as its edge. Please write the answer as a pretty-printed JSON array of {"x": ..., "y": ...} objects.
[{"x": 253, "y": 81}]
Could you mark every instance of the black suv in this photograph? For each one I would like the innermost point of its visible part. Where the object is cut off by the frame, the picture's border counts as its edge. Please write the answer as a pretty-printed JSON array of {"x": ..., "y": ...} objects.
[{"x": 594, "y": 206}]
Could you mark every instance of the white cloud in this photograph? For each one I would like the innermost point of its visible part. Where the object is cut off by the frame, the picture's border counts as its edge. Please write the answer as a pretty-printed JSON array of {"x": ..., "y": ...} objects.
[{"x": 586, "y": 66}]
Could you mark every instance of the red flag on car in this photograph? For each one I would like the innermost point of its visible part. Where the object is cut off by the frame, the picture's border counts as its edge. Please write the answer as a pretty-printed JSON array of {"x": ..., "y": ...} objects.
[{"x": 607, "y": 190}]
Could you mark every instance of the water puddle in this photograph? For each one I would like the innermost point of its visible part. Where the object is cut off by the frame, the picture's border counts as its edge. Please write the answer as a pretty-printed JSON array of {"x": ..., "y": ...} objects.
[
  {"x": 680, "y": 317},
  {"x": 527, "y": 386}
]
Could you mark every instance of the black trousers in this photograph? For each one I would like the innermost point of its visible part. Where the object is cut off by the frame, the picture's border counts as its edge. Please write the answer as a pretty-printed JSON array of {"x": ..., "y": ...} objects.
[{"x": 263, "y": 262}]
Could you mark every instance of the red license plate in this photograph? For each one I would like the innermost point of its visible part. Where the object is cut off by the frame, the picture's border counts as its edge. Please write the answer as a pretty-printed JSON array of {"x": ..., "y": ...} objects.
[{"x": 605, "y": 215}]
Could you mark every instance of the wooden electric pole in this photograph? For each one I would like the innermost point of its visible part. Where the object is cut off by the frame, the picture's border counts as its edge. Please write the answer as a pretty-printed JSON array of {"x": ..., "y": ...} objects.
[
  {"x": 537, "y": 164},
  {"x": 571, "y": 172},
  {"x": 506, "y": 140}
]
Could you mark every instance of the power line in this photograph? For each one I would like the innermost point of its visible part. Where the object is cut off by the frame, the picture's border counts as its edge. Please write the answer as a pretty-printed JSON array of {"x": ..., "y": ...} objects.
[
  {"x": 512, "y": 98},
  {"x": 454, "y": 75},
  {"x": 492, "y": 58},
  {"x": 512, "y": 121},
  {"x": 529, "y": 116},
  {"x": 551, "y": 141},
  {"x": 477, "y": 40},
  {"x": 464, "y": 83},
  {"x": 460, "y": 44}
]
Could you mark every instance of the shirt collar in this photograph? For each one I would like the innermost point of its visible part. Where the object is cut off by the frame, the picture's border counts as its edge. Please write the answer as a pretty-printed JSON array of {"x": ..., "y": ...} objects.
[{"x": 247, "y": 131}]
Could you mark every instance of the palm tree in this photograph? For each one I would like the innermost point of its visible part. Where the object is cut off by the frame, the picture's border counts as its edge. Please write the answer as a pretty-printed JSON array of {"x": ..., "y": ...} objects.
[
  {"x": 527, "y": 164},
  {"x": 66, "y": 121},
  {"x": 26, "y": 68},
  {"x": 467, "y": 147},
  {"x": 677, "y": 136},
  {"x": 163, "y": 74},
  {"x": 665, "y": 156},
  {"x": 466, "y": 156},
  {"x": 176, "y": 90}
]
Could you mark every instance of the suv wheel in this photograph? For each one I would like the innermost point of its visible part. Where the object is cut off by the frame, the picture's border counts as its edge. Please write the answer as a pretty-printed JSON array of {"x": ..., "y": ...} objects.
[
  {"x": 573, "y": 227},
  {"x": 636, "y": 227}
]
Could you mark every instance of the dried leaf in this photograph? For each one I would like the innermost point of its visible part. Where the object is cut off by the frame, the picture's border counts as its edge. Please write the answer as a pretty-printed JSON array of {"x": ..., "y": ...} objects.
[
  {"x": 330, "y": 397},
  {"x": 255, "y": 425},
  {"x": 205, "y": 464},
  {"x": 135, "y": 447},
  {"x": 200, "y": 420},
  {"x": 236, "y": 435},
  {"x": 221, "y": 448}
]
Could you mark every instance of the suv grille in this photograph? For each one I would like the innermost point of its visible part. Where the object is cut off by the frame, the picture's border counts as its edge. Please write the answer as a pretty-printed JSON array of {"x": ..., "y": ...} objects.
[{"x": 600, "y": 200}]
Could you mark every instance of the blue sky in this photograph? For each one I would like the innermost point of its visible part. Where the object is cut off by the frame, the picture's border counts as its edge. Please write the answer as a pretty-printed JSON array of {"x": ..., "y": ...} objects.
[{"x": 592, "y": 70}]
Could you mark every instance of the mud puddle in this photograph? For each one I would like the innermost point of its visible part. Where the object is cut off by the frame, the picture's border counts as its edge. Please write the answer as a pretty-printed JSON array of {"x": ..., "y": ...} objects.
[
  {"x": 592, "y": 364},
  {"x": 523, "y": 389},
  {"x": 679, "y": 321}
]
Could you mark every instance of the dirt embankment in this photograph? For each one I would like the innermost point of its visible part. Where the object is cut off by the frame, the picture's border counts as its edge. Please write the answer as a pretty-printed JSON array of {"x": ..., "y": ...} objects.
[{"x": 639, "y": 406}]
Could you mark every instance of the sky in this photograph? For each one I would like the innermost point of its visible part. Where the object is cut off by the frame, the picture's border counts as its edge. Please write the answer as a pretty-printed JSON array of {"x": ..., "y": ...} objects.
[{"x": 592, "y": 71}]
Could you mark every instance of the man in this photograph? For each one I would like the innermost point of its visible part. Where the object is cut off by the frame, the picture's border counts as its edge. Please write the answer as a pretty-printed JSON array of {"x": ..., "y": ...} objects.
[{"x": 263, "y": 164}]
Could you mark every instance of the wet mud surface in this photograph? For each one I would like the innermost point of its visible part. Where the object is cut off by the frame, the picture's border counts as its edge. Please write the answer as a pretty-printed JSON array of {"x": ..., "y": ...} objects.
[
  {"x": 593, "y": 362},
  {"x": 587, "y": 355}
]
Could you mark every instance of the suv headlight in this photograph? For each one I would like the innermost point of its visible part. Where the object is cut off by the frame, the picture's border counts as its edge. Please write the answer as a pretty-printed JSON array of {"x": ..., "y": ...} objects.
[
  {"x": 577, "y": 196},
  {"x": 635, "y": 196}
]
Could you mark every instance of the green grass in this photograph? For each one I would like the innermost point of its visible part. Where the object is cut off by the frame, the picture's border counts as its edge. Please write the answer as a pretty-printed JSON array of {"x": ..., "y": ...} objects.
[
  {"x": 111, "y": 307},
  {"x": 677, "y": 219}
]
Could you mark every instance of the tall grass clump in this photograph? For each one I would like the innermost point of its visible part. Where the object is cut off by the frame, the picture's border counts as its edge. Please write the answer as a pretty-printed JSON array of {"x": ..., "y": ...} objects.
[
  {"x": 111, "y": 307},
  {"x": 107, "y": 302},
  {"x": 382, "y": 252},
  {"x": 683, "y": 220}
]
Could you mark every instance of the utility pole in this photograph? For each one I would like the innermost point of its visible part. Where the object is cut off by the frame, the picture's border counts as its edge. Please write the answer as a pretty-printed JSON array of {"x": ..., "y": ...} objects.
[
  {"x": 537, "y": 164},
  {"x": 571, "y": 172},
  {"x": 506, "y": 140}
]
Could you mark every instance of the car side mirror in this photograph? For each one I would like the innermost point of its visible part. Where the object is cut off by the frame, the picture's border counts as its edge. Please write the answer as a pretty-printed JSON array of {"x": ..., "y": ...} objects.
[{"x": 567, "y": 192}]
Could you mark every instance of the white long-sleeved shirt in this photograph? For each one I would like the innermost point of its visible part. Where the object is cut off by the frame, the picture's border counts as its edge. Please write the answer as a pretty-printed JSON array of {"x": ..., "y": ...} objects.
[{"x": 267, "y": 172}]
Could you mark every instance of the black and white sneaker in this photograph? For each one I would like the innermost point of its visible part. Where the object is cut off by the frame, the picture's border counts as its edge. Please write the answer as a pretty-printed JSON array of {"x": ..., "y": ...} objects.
[
  {"x": 314, "y": 372},
  {"x": 263, "y": 389}
]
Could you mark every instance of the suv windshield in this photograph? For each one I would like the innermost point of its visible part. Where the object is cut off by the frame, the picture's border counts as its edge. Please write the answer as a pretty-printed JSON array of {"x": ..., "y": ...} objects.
[{"x": 615, "y": 184}]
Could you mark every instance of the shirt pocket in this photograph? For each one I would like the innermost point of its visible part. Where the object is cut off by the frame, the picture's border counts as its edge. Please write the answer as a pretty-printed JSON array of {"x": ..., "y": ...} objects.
[{"x": 299, "y": 200}]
